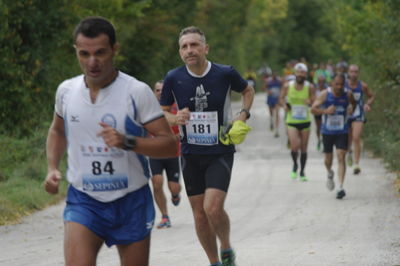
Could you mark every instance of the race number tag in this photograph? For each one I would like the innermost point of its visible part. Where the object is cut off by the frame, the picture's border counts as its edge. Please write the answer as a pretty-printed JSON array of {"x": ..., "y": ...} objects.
[
  {"x": 103, "y": 168},
  {"x": 299, "y": 112},
  {"x": 335, "y": 122},
  {"x": 357, "y": 111},
  {"x": 275, "y": 91},
  {"x": 202, "y": 128}
]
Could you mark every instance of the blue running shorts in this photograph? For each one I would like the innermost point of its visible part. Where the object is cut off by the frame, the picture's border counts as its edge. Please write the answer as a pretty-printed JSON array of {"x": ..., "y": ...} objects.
[{"x": 123, "y": 221}]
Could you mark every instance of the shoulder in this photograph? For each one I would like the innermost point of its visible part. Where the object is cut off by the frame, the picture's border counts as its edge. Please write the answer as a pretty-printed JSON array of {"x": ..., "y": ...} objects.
[
  {"x": 69, "y": 85},
  {"x": 176, "y": 72},
  {"x": 134, "y": 86},
  {"x": 223, "y": 69}
]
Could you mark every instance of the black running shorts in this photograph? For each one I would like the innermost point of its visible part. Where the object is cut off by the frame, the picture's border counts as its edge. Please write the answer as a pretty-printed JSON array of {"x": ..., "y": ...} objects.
[
  {"x": 340, "y": 141},
  {"x": 206, "y": 171},
  {"x": 170, "y": 165},
  {"x": 300, "y": 126}
]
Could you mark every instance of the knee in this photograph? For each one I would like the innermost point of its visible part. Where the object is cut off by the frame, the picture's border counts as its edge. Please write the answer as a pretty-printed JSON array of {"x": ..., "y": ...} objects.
[
  {"x": 157, "y": 184},
  {"x": 213, "y": 211},
  {"x": 200, "y": 218}
]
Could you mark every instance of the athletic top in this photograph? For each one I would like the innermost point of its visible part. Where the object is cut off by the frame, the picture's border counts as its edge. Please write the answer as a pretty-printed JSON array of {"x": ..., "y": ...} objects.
[
  {"x": 335, "y": 123},
  {"x": 275, "y": 87},
  {"x": 208, "y": 99},
  {"x": 299, "y": 112},
  {"x": 126, "y": 104},
  {"x": 358, "y": 97}
]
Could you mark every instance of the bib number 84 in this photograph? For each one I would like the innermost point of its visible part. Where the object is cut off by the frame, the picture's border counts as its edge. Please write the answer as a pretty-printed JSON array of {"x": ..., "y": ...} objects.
[{"x": 97, "y": 168}]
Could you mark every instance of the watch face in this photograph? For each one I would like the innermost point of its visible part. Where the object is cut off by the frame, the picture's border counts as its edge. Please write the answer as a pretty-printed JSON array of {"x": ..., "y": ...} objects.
[{"x": 130, "y": 142}]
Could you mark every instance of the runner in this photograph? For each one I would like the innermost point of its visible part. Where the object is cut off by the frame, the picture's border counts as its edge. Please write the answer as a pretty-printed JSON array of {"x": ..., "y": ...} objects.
[
  {"x": 172, "y": 170},
  {"x": 357, "y": 120},
  {"x": 103, "y": 115},
  {"x": 273, "y": 89},
  {"x": 334, "y": 105},
  {"x": 300, "y": 94},
  {"x": 201, "y": 90},
  {"x": 320, "y": 87}
]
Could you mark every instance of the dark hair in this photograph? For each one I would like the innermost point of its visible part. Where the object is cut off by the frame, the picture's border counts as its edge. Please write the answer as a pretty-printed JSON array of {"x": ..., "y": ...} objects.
[
  {"x": 340, "y": 75},
  {"x": 193, "y": 29},
  {"x": 94, "y": 26}
]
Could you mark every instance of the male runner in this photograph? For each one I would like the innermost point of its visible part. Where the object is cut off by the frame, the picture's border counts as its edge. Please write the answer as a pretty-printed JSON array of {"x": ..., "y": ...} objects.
[
  {"x": 201, "y": 90},
  {"x": 334, "y": 104},
  {"x": 273, "y": 89},
  {"x": 357, "y": 120},
  {"x": 300, "y": 94},
  {"x": 172, "y": 170},
  {"x": 103, "y": 116}
]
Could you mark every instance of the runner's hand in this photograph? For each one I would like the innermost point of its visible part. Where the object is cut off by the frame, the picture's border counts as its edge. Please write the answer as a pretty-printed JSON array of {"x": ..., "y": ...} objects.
[
  {"x": 367, "y": 107},
  {"x": 111, "y": 136},
  {"x": 330, "y": 110},
  {"x": 52, "y": 182},
  {"x": 182, "y": 116}
]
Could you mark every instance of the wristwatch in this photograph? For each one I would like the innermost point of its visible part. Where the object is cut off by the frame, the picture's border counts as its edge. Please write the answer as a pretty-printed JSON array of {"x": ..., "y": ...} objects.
[
  {"x": 129, "y": 142},
  {"x": 247, "y": 113}
]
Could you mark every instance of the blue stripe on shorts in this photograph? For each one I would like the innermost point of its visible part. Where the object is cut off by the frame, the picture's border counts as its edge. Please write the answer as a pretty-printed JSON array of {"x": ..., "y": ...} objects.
[{"x": 123, "y": 221}]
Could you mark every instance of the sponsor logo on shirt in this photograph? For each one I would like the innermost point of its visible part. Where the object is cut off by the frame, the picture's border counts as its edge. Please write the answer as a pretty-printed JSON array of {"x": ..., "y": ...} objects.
[{"x": 110, "y": 120}]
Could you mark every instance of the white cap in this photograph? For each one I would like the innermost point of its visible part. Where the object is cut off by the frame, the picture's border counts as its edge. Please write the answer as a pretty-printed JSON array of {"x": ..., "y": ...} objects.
[{"x": 301, "y": 66}]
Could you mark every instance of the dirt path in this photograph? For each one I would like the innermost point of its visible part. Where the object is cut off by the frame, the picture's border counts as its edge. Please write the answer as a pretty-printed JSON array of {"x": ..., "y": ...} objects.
[{"x": 275, "y": 220}]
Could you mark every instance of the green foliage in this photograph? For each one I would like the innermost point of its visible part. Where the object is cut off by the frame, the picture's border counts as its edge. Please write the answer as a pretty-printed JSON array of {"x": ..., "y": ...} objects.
[{"x": 369, "y": 31}]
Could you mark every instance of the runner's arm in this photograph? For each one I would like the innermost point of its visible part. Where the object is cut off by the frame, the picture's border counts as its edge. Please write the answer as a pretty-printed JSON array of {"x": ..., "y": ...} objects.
[
  {"x": 247, "y": 102},
  {"x": 284, "y": 91},
  {"x": 55, "y": 147},
  {"x": 352, "y": 101},
  {"x": 311, "y": 97},
  {"x": 370, "y": 95},
  {"x": 317, "y": 103},
  {"x": 163, "y": 144},
  {"x": 179, "y": 118}
]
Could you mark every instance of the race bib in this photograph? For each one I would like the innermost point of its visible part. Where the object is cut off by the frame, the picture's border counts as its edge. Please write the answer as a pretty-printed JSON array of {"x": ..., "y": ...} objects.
[
  {"x": 335, "y": 122},
  {"x": 299, "y": 112},
  {"x": 202, "y": 128},
  {"x": 275, "y": 91},
  {"x": 357, "y": 111},
  {"x": 103, "y": 168}
]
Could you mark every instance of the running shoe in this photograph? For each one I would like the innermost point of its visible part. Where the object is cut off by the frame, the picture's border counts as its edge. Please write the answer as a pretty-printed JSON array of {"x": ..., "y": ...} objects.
[
  {"x": 176, "y": 199},
  {"x": 357, "y": 170},
  {"x": 165, "y": 223},
  {"x": 228, "y": 257},
  {"x": 303, "y": 178},
  {"x": 340, "y": 194},
  {"x": 293, "y": 175},
  {"x": 330, "y": 184},
  {"x": 350, "y": 159},
  {"x": 216, "y": 264}
]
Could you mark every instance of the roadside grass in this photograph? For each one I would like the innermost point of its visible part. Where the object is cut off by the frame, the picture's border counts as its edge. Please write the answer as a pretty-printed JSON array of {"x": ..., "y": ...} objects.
[{"x": 22, "y": 171}]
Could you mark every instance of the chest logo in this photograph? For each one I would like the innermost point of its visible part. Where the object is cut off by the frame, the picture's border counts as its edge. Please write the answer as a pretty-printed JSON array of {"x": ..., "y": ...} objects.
[
  {"x": 200, "y": 100},
  {"x": 74, "y": 118},
  {"x": 110, "y": 120}
]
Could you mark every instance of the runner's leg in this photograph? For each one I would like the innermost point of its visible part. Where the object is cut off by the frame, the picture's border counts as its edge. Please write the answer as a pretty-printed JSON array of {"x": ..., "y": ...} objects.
[
  {"x": 205, "y": 232},
  {"x": 81, "y": 245},
  {"x": 159, "y": 195},
  {"x": 135, "y": 254}
]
